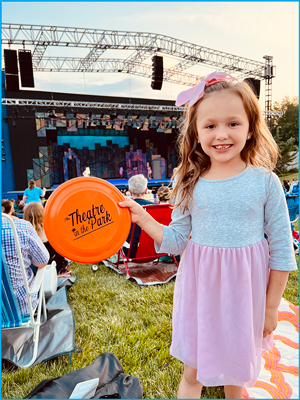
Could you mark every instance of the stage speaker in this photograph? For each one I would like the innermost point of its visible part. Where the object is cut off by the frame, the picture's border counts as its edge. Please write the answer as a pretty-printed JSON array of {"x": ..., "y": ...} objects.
[
  {"x": 11, "y": 83},
  {"x": 254, "y": 84},
  {"x": 10, "y": 62},
  {"x": 26, "y": 72},
  {"x": 157, "y": 72},
  {"x": 11, "y": 70}
]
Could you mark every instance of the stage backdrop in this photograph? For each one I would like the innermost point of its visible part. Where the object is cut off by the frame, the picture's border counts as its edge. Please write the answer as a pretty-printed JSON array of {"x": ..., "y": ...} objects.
[{"x": 52, "y": 146}]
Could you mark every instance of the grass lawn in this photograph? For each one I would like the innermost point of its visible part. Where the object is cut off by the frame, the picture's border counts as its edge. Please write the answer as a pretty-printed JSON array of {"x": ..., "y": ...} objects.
[
  {"x": 288, "y": 176},
  {"x": 115, "y": 315}
]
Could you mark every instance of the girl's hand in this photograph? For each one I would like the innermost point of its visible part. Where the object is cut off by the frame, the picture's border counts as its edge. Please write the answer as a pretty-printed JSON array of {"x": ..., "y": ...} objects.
[
  {"x": 271, "y": 319},
  {"x": 144, "y": 220},
  {"x": 136, "y": 210}
]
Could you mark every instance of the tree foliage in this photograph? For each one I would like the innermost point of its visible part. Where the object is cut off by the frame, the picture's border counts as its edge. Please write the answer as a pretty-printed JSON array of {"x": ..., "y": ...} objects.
[{"x": 285, "y": 130}]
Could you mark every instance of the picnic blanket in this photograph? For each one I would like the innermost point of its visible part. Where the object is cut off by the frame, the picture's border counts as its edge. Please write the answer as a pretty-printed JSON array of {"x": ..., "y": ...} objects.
[
  {"x": 279, "y": 375},
  {"x": 146, "y": 274}
]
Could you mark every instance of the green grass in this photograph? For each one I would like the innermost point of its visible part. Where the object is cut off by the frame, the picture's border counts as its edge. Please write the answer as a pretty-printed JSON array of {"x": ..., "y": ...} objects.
[
  {"x": 115, "y": 315},
  {"x": 288, "y": 176}
]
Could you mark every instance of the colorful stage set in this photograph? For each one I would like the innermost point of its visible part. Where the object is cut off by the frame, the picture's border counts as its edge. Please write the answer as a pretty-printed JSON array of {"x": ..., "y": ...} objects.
[{"x": 52, "y": 146}]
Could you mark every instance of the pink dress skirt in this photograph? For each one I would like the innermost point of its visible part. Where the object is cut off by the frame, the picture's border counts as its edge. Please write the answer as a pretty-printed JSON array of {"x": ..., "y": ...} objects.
[{"x": 219, "y": 312}]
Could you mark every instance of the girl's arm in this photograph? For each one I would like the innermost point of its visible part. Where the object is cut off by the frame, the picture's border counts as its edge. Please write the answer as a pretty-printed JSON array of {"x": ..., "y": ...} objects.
[
  {"x": 278, "y": 227},
  {"x": 144, "y": 220},
  {"x": 168, "y": 239},
  {"x": 24, "y": 199},
  {"x": 276, "y": 286}
]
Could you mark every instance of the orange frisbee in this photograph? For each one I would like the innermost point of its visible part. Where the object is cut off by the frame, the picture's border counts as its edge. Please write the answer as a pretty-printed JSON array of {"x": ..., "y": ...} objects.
[{"x": 83, "y": 221}]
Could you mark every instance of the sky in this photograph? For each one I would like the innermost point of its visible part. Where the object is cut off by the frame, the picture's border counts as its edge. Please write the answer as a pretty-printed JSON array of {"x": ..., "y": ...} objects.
[{"x": 246, "y": 29}]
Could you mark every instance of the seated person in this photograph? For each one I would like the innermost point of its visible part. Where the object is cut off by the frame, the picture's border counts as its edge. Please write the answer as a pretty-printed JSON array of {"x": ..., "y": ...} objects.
[
  {"x": 21, "y": 208},
  {"x": 8, "y": 208},
  {"x": 16, "y": 205},
  {"x": 33, "y": 252},
  {"x": 34, "y": 213},
  {"x": 137, "y": 186},
  {"x": 164, "y": 195}
]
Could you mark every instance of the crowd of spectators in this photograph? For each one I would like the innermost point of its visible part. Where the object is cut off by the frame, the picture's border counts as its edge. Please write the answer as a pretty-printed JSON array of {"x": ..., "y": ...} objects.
[{"x": 288, "y": 186}]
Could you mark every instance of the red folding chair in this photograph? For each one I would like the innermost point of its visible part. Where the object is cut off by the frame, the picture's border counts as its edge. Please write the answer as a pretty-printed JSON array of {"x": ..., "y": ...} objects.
[{"x": 146, "y": 251}]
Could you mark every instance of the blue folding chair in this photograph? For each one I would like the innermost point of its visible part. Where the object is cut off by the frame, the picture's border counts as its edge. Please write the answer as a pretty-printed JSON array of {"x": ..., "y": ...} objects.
[
  {"x": 295, "y": 190},
  {"x": 11, "y": 317},
  {"x": 293, "y": 206}
]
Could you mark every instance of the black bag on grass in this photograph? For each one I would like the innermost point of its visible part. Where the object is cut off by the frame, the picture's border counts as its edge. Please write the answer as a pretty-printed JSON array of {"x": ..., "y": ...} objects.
[{"x": 113, "y": 382}]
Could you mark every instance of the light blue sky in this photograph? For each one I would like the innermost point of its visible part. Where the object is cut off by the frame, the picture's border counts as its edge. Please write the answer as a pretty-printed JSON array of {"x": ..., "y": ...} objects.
[{"x": 247, "y": 29}]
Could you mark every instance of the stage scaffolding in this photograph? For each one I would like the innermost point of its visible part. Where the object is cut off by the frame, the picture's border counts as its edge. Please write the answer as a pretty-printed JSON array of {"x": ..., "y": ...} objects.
[{"x": 142, "y": 46}]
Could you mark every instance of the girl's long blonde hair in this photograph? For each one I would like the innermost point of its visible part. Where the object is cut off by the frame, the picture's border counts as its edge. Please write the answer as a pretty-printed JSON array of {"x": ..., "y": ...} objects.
[
  {"x": 260, "y": 151},
  {"x": 34, "y": 213}
]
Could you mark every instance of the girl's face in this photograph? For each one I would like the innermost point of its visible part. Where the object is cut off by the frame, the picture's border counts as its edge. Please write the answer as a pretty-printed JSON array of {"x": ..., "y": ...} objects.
[{"x": 223, "y": 127}]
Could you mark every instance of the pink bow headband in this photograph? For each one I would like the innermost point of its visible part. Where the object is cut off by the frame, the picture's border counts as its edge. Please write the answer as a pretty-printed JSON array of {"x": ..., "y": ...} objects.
[{"x": 196, "y": 93}]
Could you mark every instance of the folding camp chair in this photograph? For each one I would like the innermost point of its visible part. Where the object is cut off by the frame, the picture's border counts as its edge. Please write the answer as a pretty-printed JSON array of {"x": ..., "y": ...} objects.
[
  {"x": 295, "y": 190},
  {"x": 145, "y": 252},
  {"x": 11, "y": 317},
  {"x": 293, "y": 206}
]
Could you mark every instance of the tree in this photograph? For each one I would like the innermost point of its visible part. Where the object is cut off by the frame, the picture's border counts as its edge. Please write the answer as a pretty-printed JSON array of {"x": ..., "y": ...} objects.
[{"x": 285, "y": 130}]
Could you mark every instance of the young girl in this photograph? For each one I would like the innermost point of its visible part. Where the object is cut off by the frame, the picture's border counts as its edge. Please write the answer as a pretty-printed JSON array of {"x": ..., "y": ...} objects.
[{"x": 230, "y": 280}]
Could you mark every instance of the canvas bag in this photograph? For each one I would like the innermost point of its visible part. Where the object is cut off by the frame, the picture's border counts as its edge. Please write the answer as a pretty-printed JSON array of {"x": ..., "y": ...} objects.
[{"x": 113, "y": 382}]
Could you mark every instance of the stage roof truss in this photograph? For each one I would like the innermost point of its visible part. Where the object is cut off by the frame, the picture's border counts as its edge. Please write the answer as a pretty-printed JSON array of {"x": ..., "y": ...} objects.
[
  {"x": 142, "y": 44},
  {"x": 101, "y": 105},
  {"x": 104, "y": 65},
  {"x": 87, "y": 104}
]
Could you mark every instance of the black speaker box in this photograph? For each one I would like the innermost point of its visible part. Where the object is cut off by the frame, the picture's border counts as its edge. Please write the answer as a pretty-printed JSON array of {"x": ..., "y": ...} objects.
[
  {"x": 157, "y": 72},
  {"x": 26, "y": 71},
  {"x": 10, "y": 62},
  {"x": 11, "y": 83},
  {"x": 254, "y": 84}
]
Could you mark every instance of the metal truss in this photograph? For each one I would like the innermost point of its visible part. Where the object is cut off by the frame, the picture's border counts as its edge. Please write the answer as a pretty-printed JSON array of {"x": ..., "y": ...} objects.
[
  {"x": 88, "y": 104},
  {"x": 97, "y": 105},
  {"x": 143, "y": 45},
  {"x": 67, "y": 64}
]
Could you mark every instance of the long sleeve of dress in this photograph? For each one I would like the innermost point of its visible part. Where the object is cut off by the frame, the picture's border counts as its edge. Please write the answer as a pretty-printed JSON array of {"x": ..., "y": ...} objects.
[
  {"x": 278, "y": 227},
  {"x": 176, "y": 234}
]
